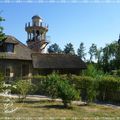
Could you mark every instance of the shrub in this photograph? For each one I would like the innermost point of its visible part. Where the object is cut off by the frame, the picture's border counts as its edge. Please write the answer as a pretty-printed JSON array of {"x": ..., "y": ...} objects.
[
  {"x": 39, "y": 82},
  {"x": 92, "y": 72},
  {"x": 23, "y": 88},
  {"x": 87, "y": 86},
  {"x": 1, "y": 82},
  {"x": 56, "y": 87},
  {"x": 109, "y": 89}
]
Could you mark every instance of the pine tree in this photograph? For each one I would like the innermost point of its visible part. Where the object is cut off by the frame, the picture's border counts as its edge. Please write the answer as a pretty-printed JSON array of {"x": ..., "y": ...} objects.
[
  {"x": 81, "y": 51},
  {"x": 92, "y": 51},
  {"x": 69, "y": 49},
  {"x": 54, "y": 48}
]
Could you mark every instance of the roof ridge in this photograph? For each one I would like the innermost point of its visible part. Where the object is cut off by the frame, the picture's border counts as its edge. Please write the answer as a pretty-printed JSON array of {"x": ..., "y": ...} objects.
[{"x": 19, "y": 41}]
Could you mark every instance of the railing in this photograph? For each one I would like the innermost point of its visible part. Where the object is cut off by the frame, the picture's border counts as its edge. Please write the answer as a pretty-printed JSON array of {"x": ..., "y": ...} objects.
[
  {"x": 39, "y": 25},
  {"x": 46, "y": 39}
]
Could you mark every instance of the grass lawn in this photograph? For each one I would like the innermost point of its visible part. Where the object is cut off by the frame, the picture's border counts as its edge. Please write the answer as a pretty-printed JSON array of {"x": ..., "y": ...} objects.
[{"x": 35, "y": 110}]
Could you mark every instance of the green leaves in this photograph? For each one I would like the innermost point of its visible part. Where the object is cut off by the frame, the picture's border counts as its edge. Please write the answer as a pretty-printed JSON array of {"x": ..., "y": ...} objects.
[
  {"x": 81, "y": 51},
  {"x": 54, "y": 48},
  {"x": 56, "y": 87},
  {"x": 69, "y": 49},
  {"x": 1, "y": 82},
  {"x": 2, "y": 35},
  {"x": 23, "y": 88}
]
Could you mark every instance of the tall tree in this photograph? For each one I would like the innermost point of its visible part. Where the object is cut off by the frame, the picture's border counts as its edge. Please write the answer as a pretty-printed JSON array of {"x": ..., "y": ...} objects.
[
  {"x": 81, "y": 51},
  {"x": 69, "y": 49},
  {"x": 92, "y": 51},
  {"x": 106, "y": 58},
  {"x": 2, "y": 35},
  {"x": 54, "y": 48},
  {"x": 98, "y": 55}
]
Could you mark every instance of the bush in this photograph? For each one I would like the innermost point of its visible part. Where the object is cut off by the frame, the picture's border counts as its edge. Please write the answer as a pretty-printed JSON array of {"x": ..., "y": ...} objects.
[
  {"x": 87, "y": 86},
  {"x": 100, "y": 88},
  {"x": 92, "y": 71},
  {"x": 109, "y": 89},
  {"x": 56, "y": 87},
  {"x": 1, "y": 82},
  {"x": 23, "y": 88},
  {"x": 39, "y": 82}
]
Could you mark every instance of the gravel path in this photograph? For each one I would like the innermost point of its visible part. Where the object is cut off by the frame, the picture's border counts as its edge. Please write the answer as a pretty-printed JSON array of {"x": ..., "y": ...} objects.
[{"x": 41, "y": 97}]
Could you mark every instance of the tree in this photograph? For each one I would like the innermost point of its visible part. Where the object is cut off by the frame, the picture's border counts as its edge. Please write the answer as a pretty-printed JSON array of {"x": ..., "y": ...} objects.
[
  {"x": 69, "y": 49},
  {"x": 56, "y": 87},
  {"x": 23, "y": 88},
  {"x": 54, "y": 48},
  {"x": 111, "y": 57},
  {"x": 81, "y": 51},
  {"x": 92, "y": 51},
  {"x": 2, "y": 35}
]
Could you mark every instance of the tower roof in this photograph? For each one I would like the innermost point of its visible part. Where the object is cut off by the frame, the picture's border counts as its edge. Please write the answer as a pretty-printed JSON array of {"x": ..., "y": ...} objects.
[{"x": 36, "y": 16}]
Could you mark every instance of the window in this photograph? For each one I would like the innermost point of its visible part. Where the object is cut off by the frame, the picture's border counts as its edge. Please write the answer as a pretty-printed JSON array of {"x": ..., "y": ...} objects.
[
  {"x": 10, "y": 47},
  {"x": 25, "y": 70},
  {"x": 7, "y": 72}
]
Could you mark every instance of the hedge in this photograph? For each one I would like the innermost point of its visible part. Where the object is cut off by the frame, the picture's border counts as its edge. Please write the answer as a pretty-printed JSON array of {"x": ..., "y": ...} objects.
[
  {"x": 106, "y": 88},
  {"x": 109, "y": 89}
]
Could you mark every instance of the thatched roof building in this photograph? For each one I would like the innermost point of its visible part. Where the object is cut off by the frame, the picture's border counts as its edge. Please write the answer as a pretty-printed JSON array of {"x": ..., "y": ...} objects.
[{"x": 18, "y": 59}]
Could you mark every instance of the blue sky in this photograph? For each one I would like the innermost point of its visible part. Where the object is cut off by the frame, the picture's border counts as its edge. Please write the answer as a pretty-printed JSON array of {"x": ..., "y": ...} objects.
[{"x": 88, "y": 23}]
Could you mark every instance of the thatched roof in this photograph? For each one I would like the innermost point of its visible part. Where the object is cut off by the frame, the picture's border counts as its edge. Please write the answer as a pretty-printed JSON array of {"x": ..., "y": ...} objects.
[
  {"x": 11, "y": 39},
  {"x": 21, "y": 51},
  {"x": 54, "y": 61}
]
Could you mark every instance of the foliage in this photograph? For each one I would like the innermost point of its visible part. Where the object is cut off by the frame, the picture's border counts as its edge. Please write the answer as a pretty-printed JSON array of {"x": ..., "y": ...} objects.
[
  {"x": 92, "y": 71},
  {"x": 111, "y": 57},
  {"x": 109, "y": 89},
  {"x": 92, "y": 51},
  {"x": 1, "y": 82},
  {"x": 56, "y": 87},
  {"x": 54, "y": 48},
  {"x": 23, "y": 88},
  {"x": 92, "y": 85},
  {"x": 81, "y": 51},
  {"x": 69, "y": 49},
  {"x": 2, "y": 35},
  {"x": 87, "y": 86}
]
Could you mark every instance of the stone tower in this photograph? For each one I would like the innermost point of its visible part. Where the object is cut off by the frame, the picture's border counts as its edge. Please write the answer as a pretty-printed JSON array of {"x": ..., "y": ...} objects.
[{"x": 36, "y": 34}]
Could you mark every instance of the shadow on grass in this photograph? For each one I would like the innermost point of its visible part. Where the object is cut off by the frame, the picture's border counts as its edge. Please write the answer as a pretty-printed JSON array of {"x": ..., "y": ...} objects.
[{"x": 54, "y": 107}]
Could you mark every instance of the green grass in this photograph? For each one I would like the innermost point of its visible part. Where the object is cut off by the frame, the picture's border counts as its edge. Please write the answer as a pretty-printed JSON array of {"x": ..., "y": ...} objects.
[{"x": 35, "y": 110}]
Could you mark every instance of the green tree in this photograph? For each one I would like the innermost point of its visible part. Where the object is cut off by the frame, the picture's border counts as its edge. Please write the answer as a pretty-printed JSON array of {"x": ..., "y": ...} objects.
[
  {"x": 81, "y": 51},
  {"x": 105, "y": 59},
  {"x": 92, "y": 71},
  {"x": 56, "y": 87},
  {"x": 92, "y": 51},
  {"x": 2, "y": 35},
  {"x": 69, "y": 49},
  {"x": 54, "y": 48},
  {"x": 23, "y": 88},
  {"x": 109, "y": 57}
]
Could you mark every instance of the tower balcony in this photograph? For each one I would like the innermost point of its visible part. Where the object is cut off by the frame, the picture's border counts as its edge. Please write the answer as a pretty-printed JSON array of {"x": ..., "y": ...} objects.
[
  {"x": 46, "y": 39},
  {"x": 40, "y": 26}
]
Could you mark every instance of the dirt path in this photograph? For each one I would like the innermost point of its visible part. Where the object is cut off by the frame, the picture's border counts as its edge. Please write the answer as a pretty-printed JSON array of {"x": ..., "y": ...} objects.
[{"x": 41, "y": 97}]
